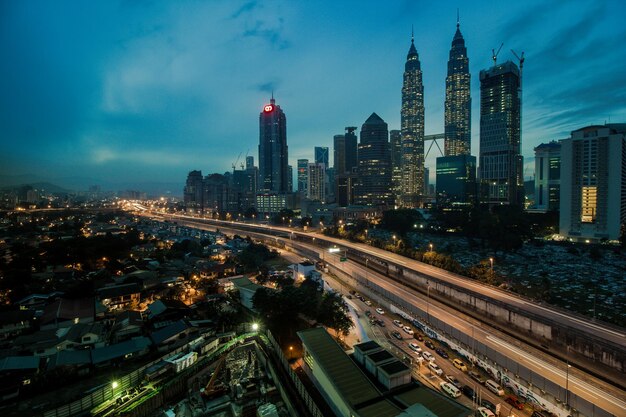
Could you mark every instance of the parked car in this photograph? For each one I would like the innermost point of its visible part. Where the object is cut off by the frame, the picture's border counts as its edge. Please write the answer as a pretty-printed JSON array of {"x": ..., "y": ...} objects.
[
  {"x": 419, "y": 337},
  {"x": 373, "y": 322},
  {"x": 488, "y": 404},
  {"x": 397, "y": 323},
  {"x": 476, "y": 377},
  {"x": 435, "y": 368},
  {"x": 380, "y": 310},
  {"x": 368, "y": 302},
  {"x": 429, "y": 344},
  {"x": 450, "y": 389},
  {"x": 380, "y": 322},
  {"x": 469, "y": 392},
  {"x": 396, "y": 334},
  {"x": 408, "y": 330},
  {"x": 368, "y": 314},
  {"x": 415, "y": 347},
  {"x": 428, "y": 356},
  {"x": 515, "y": 402},
  {"x": 442, "y": 353},
  {"x": 485, "y": 412},
  {"x": 494, "y": 387},
  {"x": 458, "y": 364},
  {"x": 453, "y": 380}
]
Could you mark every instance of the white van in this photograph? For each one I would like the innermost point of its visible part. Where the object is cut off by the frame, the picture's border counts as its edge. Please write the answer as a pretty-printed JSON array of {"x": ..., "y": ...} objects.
[
  {"x": 450, "y": 389},
  {"x": 428, "y": 356},
  {"x": 494, "y": 387}
]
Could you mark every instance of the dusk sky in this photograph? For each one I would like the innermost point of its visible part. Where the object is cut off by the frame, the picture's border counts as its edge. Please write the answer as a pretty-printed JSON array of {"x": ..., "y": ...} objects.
[{"x": 131, "y": 92}]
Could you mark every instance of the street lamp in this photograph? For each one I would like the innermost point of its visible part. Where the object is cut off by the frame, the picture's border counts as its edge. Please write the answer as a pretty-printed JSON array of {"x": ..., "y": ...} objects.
[
  {"x": 567, "y": 385},
  {"x": 394, "y": 240},
  {"x": 255, "y": 327},
  {"x": 491, "y": 271},
  {"x": 431, "y": 246}
]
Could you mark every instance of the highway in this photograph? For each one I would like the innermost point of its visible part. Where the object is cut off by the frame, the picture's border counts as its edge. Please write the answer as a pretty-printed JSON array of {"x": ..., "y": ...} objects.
[{"x": 596, "y": 392}]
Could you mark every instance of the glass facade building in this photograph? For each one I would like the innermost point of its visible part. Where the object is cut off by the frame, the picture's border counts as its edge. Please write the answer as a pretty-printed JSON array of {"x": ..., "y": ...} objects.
[{"x": 374, "y": 170}]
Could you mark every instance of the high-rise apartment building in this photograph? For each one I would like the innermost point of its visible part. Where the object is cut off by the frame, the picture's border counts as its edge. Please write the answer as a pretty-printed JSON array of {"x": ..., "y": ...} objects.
[
  {"x": 412, "y": 129},
  {"x": 316, "y": 182},
  {"x": 374, "y": 164},
  {"x": 547, "y": 176},
  {"x": 458, "y": 105},
  {"x": 303, "y": 175},
  {"x": 593, "y": 183},
  {"x": 273, "y": 167},
  {"x": 193, "y": 192},
  {"x": 500, "y": 159},
  {"x": 395, "y": 143}
]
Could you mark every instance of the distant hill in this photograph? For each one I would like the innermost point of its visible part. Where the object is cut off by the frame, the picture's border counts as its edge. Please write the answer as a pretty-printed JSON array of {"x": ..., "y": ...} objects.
[{"x": 46, "y": 186}]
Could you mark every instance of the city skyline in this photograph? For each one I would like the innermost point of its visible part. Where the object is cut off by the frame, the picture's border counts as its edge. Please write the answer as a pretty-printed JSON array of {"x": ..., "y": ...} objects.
[{"x": 119, "y": 91}]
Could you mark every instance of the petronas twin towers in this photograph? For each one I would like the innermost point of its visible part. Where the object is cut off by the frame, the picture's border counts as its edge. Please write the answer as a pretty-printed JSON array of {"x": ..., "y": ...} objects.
[{"x": 457, "y": 118}]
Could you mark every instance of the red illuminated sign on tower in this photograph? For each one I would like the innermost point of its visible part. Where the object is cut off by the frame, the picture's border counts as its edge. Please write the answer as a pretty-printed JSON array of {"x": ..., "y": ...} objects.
[{"x": 268, "y": 108}]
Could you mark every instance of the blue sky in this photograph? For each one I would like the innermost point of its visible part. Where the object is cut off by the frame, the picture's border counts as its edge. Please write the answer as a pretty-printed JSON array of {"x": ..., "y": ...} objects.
[{"x": 135, "y": 92}]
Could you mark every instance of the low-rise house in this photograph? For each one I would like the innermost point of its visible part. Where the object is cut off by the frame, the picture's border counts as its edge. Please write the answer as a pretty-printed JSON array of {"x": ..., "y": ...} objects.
[
  {"x": 120, "y": 352},
  {"x": 65, "y": 312},
  {"x": 174, "y": 335},
  {"x": 164, "y": 312},
  {"x": 302, "y": 270},
  {"x": 127, "y": 325},
  {"x": 118, "y": 297},
  {"x": 41, "y": 344},
  {"x": 85, "y": 335},
  {"x": 16, "y": 372},
  {"x": 70, "y": 362},
  {"x": 15, "y": 322},
  {"x": 37, "y": 301},
  {"x": 247, "y": 289}
]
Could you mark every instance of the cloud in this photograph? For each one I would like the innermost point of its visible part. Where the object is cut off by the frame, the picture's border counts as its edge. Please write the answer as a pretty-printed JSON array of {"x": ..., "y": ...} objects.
[{"x": 247, "y": 7}]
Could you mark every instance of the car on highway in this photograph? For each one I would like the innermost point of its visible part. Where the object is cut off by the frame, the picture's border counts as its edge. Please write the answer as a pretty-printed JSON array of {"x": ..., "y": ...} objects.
[
  {"x": 415, "y": 347},
  {"x": 442, "y": 353},
  {"x": 380, "y": 310},
  {"x": 428, "y": 356},
  {"x": 458, "y": 364},
  {"x": 429, "y": 344},
  {"x": 453, "y": 380},
  {"x": 368, "y": 302},
  {"x": 485, "y": 412},
  {"x": 396, "y": 334},
  {"x": 380, "y": 322},
  {"x": 408, "y": 330},
  {"x": 488, "y": 404},
  {"x": 397, "y": 323},
  {"x": 476, "y": 377},
  {"x": 419, "y": 337},
  {"x": 468, "y": 392},
  {"x": 435, "y": 368},
  {"x": 515, "y": 402},
  {"x": 450, "y": 389},
  {"x": 368, "y": 313}
]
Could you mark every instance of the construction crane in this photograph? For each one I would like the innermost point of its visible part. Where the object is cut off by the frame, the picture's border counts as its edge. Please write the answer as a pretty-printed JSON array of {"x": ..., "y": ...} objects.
[
  {"x": 236, "y": 160},
  {"x": 494, "y": 54},
  {"x": 209, "y": 390},
  {"x": 521, "y": 61}
]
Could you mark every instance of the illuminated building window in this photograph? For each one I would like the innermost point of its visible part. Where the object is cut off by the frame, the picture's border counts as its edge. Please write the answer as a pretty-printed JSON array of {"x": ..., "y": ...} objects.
[{"x": 589, "y": 204}]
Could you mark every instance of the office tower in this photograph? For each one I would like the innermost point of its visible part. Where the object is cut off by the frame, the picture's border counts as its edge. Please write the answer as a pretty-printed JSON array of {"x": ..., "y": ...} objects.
[
  {"x": 426, "y": 180},
  {"x": 345, "y": 190},
  {"x": 395, "y": 143},
  {"x": 193, "y": 193},
  {"x": 273, "y": 169},
  {"x": 321, "y": 155},
  {"x": 456, "y": 180},
  {"x": 351, "y": 149},
  {"x": 339, "y": 153},
  {"x": 317, "y": 182},
  {"x": 458, "y": 103},
  {"x": 374, "y": 164},
  {"x": 500, "y": 157},
  {"x": 548, "y": 176},
  {"x": 289, "y": 178},
  {"x": 593, "y": 183},
  {"x": 303, "y": 175},
  {"x": 412, "y": 127},
  {"x": 249, "y": 162},
  {"x": 330, "y": 184}
]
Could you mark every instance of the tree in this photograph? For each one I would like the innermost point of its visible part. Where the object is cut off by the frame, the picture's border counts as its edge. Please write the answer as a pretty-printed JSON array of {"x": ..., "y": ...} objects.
[{"x": 333, "y": 313}]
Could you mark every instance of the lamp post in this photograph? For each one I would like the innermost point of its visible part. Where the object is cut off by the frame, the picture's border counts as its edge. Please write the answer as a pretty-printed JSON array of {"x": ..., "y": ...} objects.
[
  {"x": 491, "y": 269},
  {"x": 567, "y": 377},
  {"x": 431, "y": 246},
  {"x": 394, "y": 240}
]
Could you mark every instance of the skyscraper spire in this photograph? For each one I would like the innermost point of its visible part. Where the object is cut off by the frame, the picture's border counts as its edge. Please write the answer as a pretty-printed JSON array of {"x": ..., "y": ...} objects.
[
  {"x": 458, "y": 103},
  {"x": 412, "y": 131}
]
